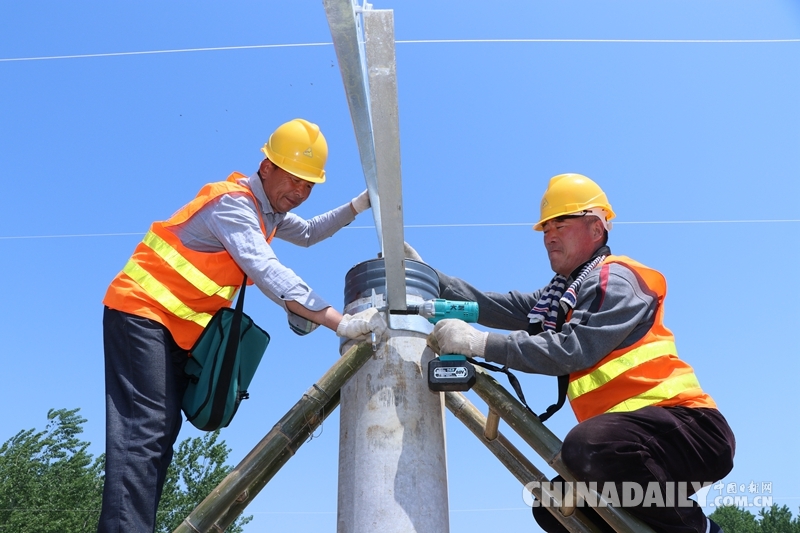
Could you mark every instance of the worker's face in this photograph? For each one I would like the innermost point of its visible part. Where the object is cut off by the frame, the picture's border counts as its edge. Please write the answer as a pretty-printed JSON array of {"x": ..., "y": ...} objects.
[
  {"x": 284, "y": 191},
  {"x": 570, "y": 242}
]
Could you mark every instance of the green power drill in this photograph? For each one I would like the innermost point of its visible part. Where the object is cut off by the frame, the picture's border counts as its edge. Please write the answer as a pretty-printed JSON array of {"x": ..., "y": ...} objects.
[{"x": 448, "y": 372}]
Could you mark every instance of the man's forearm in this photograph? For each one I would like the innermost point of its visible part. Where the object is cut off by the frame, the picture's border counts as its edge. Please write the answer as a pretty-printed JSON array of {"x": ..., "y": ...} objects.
[
  {"x": 306, "y": 233},
  {"x": 328, "y": 317},
  {"x": 507, "y": 311}
]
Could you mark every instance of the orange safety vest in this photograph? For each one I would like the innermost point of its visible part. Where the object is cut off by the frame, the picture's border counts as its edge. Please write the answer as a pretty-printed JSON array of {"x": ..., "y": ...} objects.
[
  {"x": 180, "y": 288},
  {"x": 645, "y": 373}
]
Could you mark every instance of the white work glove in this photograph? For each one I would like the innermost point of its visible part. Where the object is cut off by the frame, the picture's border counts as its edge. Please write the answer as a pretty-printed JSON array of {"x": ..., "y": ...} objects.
[
  {"x": 359, "y": 325},
  {"x": 360, "y": 203},
  {"x": 411, "y": 253},
  {"x": 453, "y": 336}
]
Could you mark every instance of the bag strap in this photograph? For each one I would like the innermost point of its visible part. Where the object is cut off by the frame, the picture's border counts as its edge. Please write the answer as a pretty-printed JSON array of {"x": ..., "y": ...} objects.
[
  {"x": 225, "y": 380},
  {"x": 512, "y": 379},
  {"x": 563, "y": 381},
  {"x": 563, "y": 384}
]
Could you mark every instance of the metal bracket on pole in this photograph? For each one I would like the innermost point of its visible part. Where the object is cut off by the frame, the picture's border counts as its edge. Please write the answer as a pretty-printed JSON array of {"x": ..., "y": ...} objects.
[
  {"x": 369, "y": 73},
  {"x": 360, "y": 9},
  {"x": 345, "y": 24},
  {"x": 381, "y": 63}
]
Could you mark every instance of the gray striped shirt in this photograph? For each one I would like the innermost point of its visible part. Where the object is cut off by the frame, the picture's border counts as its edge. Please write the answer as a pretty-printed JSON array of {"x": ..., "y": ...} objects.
[{"x": 231, "y": 223}]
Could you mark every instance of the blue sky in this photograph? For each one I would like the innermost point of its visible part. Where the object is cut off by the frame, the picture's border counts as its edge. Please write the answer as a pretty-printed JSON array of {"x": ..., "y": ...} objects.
[{"x": 697, "y": 145}]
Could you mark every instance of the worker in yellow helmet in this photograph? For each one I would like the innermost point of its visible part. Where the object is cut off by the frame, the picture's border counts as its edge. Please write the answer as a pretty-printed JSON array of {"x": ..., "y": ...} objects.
[
  {"x": 187, "y": 268},
  {"x": 642, "y": 416}
]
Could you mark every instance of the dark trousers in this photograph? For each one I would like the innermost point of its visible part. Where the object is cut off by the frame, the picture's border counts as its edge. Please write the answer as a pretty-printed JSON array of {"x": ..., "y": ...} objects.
[
  {"x": 653, "y": 444},
  {"x": 144, "y": 387}
]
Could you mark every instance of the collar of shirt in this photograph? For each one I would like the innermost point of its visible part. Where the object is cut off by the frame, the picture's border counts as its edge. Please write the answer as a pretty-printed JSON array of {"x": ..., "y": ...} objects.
[
  {"x": 603, "y": 250},
  {"x": 254, "y": 182}
]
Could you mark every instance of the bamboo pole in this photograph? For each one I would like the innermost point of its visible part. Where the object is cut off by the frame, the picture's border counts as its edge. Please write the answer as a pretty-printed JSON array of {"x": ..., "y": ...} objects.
[
  {"x": 227, "y": 501},
  {"x": 491, "y": 427},
  {"x": 282, "y": 457},
  {"x": 545, "y": 443},
  {"x": 508, "y": 454}
]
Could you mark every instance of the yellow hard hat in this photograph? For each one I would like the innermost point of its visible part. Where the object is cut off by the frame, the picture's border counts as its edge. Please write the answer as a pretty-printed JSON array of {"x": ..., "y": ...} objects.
[
  {"x": 568, "y": 194},
  {"x": 299, "y": 148}
]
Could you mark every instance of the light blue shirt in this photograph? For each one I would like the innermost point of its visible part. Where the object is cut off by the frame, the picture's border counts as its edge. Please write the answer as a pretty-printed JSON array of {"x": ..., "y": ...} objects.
[{"x": 230, "y": 223}]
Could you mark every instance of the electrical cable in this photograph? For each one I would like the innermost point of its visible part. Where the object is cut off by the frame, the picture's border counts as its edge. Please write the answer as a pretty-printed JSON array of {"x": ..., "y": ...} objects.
[
  {"x": 427, "y": 226},
  {"x": 415, "y": 41}
]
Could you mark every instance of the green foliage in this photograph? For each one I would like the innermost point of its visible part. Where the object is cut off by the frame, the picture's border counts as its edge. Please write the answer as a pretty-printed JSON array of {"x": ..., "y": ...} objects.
[
  {"x": 49, "y": 483},
  {"x": 778, "y": 520},
  {"x": 734, "y": 520},
  {"x": 198, "y": 467},
  {"x": 770, "y": 520}
]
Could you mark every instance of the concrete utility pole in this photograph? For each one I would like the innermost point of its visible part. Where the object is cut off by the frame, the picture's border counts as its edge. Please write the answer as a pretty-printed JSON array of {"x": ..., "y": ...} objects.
[{"x": 392, "y": 463}]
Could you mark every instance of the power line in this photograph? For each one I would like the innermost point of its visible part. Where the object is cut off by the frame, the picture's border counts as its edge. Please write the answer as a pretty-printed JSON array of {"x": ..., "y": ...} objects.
[
  {"x": 13, "y": 237},
  {"x": 175, "y": 51},
  {"x": 426, "y": 226},
  {"x": 615, "y": 223},
  {"x": 489, "y": 225},
  {"x": 623, "y": 41},
  {"x": 416, "y": 41}
]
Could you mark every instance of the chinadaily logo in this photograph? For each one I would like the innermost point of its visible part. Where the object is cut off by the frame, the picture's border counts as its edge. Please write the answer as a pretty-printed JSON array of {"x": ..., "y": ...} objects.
[{"x": 756, "y": 494}]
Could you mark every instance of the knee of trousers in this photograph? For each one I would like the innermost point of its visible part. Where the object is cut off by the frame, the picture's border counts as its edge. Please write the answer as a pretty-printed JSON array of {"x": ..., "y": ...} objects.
[{"x": 588, "y": 461}]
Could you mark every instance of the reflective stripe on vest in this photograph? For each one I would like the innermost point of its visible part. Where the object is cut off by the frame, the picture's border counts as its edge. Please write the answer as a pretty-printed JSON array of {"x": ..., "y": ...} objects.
[
  {"x": 163, "y": 295},
  {"x": 188, "y": 271},
  {"x": 615, "y": 367},
  {"x": 668, "y": 388}
]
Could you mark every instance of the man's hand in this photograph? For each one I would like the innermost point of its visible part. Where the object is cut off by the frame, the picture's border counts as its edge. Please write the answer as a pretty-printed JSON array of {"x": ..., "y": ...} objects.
[
  {"x": 452, "y": 336},
  {"x": 411, "y": 253},
  {"x": 361, "y": 324},
  {"x": 360, "y": 203}
]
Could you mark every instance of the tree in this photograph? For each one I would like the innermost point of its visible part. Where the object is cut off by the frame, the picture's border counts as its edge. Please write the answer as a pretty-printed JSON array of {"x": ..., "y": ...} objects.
[
  {"x": 770, "y": 520},
  {"x": 778, "y": 520},
  {"x": 49, "y": 483},
  {"x": 734, "y": 520}
]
